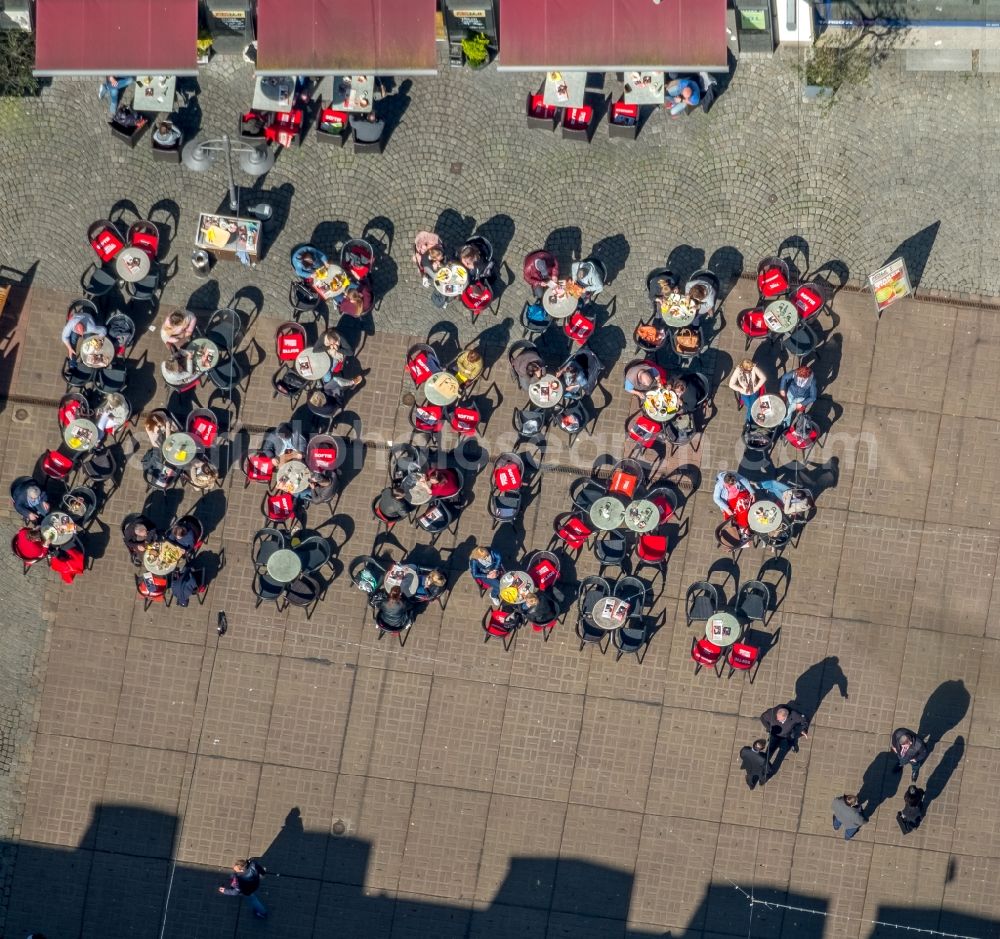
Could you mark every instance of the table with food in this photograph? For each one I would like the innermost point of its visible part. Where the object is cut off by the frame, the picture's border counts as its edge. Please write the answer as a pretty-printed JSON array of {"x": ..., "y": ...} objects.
[
  {"x": 96, "y": 351},
  {"x": 561, "y": 299},
  {"x": 547, "y": 392},
  {"x": 451, "y": 280},
  {"x": 57, "y": 528},
  {"x": 661, "y": 404},
  {"x": 162, "y": 557},
  {"x": 81, "y": 435},
  {"x": 677, "y": 310},
  {"x": 292, "y": 477}
]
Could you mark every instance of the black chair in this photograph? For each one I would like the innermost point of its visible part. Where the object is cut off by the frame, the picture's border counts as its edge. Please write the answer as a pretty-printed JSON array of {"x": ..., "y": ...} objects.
[
  {"x": 754, "y": 602},
  {"x": 144, "y": 291},
  {"x": 225, "y": 328},
  {"x": 530, "y": 423},
  {"x": 730, "y": 539},
  {"x": 533, "y": 327},
  {"x": 400, "y": 632},
  {"x": 97, "y": 282},
  {"x": 100, "y": 466},
  {"x": 574, "y": 419},
  {"x": 701, "y": 601},
  {"x": 266, "y": 589},
  {"x": 112, "y": 379},
  {"x": 801, "y": 341},
  {"x": 314, "y": 551},
  {"x": 611, "y": 549},
  {"x": 585, "y": 491},
  {"x": 76, "y": 374},
  {"x": 304, "y": 592},
  {"x": 590, "y": 592},
  {"x": 631, "y": 639},
  {"x": 504, "y": 507},
  {"x": 265, "y": 543},
  {"x": 80, "y": 503},
  {"x": 121, "y": 331},
  {"x": 303, "y": 299},
  {"x": 404, "y": 458},
  {"x": 437, "y": 517},
  {"x": 632, "y": 591}
]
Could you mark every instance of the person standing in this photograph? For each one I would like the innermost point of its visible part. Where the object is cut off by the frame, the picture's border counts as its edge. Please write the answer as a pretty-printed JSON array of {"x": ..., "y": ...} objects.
[
  {"x": 847, "y": 812},
  {"x": 747, "y": 380},
  {"x": 909, "y": 749},
  {"x": 786, "y": 726},
  {"x": 753, "y": 762},
  {"x": 913, "y": 810},
  {"x": 245, "y": 882}
]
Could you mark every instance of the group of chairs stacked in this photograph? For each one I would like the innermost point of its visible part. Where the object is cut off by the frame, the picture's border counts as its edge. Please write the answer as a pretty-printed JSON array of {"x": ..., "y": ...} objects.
[
  {"x": 429, "y": 419},
  {"x": 367, "y": 573},
  {"x": 357, "y": 260},
  {"x": 108, "y": 241},
  {"x": 309, "y": 587},
  {"x": 80, "y": 503},
  {"x": 160, "y": 588},
  {"x": 682, "y": 346},
  {"x": 618, "y": 548}
]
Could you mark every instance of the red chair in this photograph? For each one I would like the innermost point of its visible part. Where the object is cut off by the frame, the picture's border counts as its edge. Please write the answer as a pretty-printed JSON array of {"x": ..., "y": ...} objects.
[
  {"x": 644, "y": 431},
  {"x": 500, "y": 624},
  {"x": 802, "y": 434},
  {"x": 579, "y": 328},
  {"x": 257, "y": 468},
  {"x": 477, "y": 297},
  {"x": 286, "y": 129},
  {"x": 773, "y": 278},
  {"x": 421, "y": 363},
  {"x": 72, "y": 406},
  {"x": 28, "y": 552},
  {"x": 289, "y": 341},
  {"x": 705, "y": 653},
  {"x": 541, "y": 114},
  {"x": 57, "y": 465},
  {"x": 152, "y": 589},
  {"x": 574, "y": 532},
  {"x": 507, "y": 477},
  {"x": 279, "y": 507},
  {"x": 202, "y": 425},
  {"x": 752, "y": 325},
  {"x": 619, "y": 110},
  {"x": 323, "y": 453},
  {"x": 652, "y": 549},
  {"x": 808, "y": 300},
  {"x": 665, "y": 501},
  {"x": 427, "y": 418},
  {"x": 578, "y": 118},
  {"x": 145, "y": 236},
  {"x": 357, "y": 257},
  {"x": 623, "y": 483},
  {"x": 464, "y": 421},
  {"x": 543, "y": 567},
  {"x": 742, "y": 658},
  {"x": 381, "y": 516},
  {"x": 105, "y": 239}
]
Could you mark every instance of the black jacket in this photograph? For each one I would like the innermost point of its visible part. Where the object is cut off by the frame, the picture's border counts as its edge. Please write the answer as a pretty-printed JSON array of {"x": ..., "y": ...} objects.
[
  {"x": 246, "y": 881},
  {"x": 794, "y": 725},
  {"x": 753, "y": 762},
  {"x": 544, "y": 611},
  {"x": 917, "y": 752}
]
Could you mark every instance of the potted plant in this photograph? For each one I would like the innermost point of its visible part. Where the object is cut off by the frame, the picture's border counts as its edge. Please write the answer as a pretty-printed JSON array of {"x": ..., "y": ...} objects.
[
  {"x": 204, "y": 45},
  {"x": 476, "y": 48}
]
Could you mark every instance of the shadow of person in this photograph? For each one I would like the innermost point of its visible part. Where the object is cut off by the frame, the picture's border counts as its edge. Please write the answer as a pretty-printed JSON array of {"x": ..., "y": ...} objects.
[
  {"x": 292, "y": 851},
  {"x": 816, "y": 682},
  {"x": 879, "y": 783},
  {"x": 943, "y": 772},
  {"x": 944, "y": 709},
  {"x": 392, "y": 108}
]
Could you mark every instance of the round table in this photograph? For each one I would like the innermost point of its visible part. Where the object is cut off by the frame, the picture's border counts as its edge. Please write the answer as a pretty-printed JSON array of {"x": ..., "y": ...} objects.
[
  {"x": 661, "y": 405},
  {"x": 156, "y": 564},
  {"x": 81, "y": 435},
  {"x": 547, "y": 392},
  {"x": 179, "y": 448},
  {"x": 781, "y": 316},
  {"x": 312, "y": 364},
  {"x": 642, "y": 516},
  {"x": 521, "y": 580},
  {"x": 764, "y": 517},
  {"x": 330, "y": 280},
  {"x": 199, "y": 347},
  {"x": 610, "y": 613},
  {"x": 442, "y": 388},
  {"x": 416, "y": 495},
  {"x": 292, "y": 477},
  {"x": 63, "y": 528},
  {"x": 677, "y": 310},
  {"x": 132, "y": 264},
  {"x": 96, "y": 351},
  {"x": 723, "y": 629},
  {"x": 451, "y": 280},
  {"x": 607, "y": 513},
  {"x": 284, "y": 566},
  {"x": 768, "y": 411},
  {"x": 558, "y": 302},
  {"x": 405, "y": 577}
]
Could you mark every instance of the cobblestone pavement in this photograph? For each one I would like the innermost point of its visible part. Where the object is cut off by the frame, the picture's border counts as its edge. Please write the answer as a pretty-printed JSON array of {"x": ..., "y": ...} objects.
[{"x": 454, "y": 789}]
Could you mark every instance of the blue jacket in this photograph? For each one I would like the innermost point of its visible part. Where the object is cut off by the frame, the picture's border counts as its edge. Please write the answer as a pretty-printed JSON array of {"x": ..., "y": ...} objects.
[
  {"x": 479, "y": 569},
  {"x": 719, "y": 492},
  {"x": 804, "y": 395}
]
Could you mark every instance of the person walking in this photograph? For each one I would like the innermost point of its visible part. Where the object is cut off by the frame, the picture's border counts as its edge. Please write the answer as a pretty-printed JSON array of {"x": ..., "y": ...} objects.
[
  {"x": 847, "y": 812},
  {"x": 245, "y": 882},
  {"x": 786, "y": 726},
  {"x": 909, "y": 749},
  {"x": 913, "y": 810},
  {"x": 753, "y": 762}
]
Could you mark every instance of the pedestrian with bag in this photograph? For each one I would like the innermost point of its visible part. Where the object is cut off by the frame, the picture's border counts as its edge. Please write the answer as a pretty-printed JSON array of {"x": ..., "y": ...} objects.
[
  {"x": 913, "y": 810},
  {"x": 245, "y": 882}
]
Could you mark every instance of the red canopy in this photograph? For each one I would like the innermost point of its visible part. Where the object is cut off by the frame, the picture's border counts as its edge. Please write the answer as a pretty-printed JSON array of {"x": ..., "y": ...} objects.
[
  {"x": 116, "y": 37},
  {"x": 343, "y": 37},
  {"x": 613, "y": 35}
]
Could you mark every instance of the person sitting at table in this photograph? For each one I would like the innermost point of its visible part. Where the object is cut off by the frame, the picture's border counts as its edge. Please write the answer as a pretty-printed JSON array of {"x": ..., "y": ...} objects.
[
  {"x": 728, "y": 487},
  {"x": 417, "y": 487},
  {"x": 574, "y": 380},
  {"x": 368, "y": 128},
  {"x": 284, "y": 443},
  {"x": 180, "y": 369},
  {"x": 306, "y": 260},
  {"x": 422, "y": 243},
  {"x": 79, "y": 324},
  {"x": 538, "y": 609},
  {"x": 177, "y": 329},
  {"x": 702, "y": 291},
  {"x": 403, "y": 575},
  {"x": 430, "y": 584},
  {"x": 157, "y": 428},
  {"x": 471, "y": 258},
  {"x": 587, "y": 276},
  {"x": 486, "y": 569},
  {"x": 661, "y": 287},
  {"x": 541, "y": 271},
  {"x": 444, "y": 482},
  {"x": 30, "y": 502},
  {"x": 166, "y": 135},
  {"x": 202, "y": 475},
  {"x": 158, "y": 471},
  {"x": 798, "y": 389},
  {"x": 394, "y": 609},
  {"x": 747, "y": 381},
  {"x": 682, "y": 94},
  {"x": 468, "y": 366},
  {"x": 528, "y": 366},
  {"x": 321, "y": 487},
  {"x": 333, "y": 345},
  {"x": 184, "y": 536},
  {"x": 392, "y": 504},
  {"x": 109, "y": 412},
  {"x": 68, "y": 562},
  {"x": 643, "y": 378},
  {"x": 356, "y": 301},
  {"x": 431, "y": 261},
  {"x": 30, "y": 545},
  {"x": 137, "y": 535},
  {"x": 112, "y": 88}
]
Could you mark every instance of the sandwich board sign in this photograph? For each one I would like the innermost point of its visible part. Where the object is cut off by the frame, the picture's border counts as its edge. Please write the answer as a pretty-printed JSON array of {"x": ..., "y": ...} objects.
[{"x": 889, "y": 284}]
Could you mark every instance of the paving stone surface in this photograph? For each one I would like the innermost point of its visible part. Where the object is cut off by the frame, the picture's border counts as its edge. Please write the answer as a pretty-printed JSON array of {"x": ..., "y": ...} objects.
[{"x": 449, "y": 787}]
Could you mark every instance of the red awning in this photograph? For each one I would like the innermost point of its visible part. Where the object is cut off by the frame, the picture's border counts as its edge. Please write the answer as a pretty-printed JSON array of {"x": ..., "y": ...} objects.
[
  {"x": 116, "y": 37},
  {"x": 340, "y": 37},
  {"x": 613, "y": 35}
]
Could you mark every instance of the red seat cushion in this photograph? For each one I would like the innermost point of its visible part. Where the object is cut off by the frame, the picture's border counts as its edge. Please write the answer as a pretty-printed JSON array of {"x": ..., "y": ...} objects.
[
  {"x": 280, "y": 506},
  {"x": 807, "y": 301},
  {"x": 799, "y": 441},
  {"x": 742, "y": 656},
  {"x": 204, "y": 431},
  {"x": 652, "y": 548},
  {"x": 752, "y": 323},
  {"x": 620, "y": 109},
  {"x": 419, "y": 368},
  {"x": 578, "y": 118},
  {"x": 623, "y": 483},
  {"x": 333, "y": 116},
  {"x": 323, "y": 458},
  {"x": 107, "y": 244},
  {"x": 28, "y": 550},
  {"x": 579, "y": 328},
  {"x": 477, "y": 296},
  {"x": 496, "y": 625},
  {"x": 465, "y": 420},
  {"x": 705, "y": 652},
  {"x": 573, "y": 539},
  {"x": 260, "y": 468},
  {"x": 68, "y": 412},
  {"x": 57, "y": 465},
  {"x": 290, "y": 344},
  {"x": 507, "y": 478},
  {"x": 148, "y": 243},
  {"x": 544, "y": 574},
  {"x": 644, "y": 430},
  {"x": 428, "y": 417},
  {"x": 539, "y": 108},
  {"x": 666, "y": 509},
  {"x": 772, "y": 282}
]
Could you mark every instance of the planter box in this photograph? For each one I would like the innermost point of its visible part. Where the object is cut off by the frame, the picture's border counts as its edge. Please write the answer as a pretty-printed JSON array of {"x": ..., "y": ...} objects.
[{"x": 538, "y": 115}]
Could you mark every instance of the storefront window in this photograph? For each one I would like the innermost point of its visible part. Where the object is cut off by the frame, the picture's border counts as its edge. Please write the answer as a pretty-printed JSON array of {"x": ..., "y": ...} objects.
[{"x": 915, "y": 12}]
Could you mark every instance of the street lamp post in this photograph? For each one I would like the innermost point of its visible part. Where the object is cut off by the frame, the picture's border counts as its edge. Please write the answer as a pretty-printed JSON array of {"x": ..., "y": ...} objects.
[{"x": 200, "y": 155}]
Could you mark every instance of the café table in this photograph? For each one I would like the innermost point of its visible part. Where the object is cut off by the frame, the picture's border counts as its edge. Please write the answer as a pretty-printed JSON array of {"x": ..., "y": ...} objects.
[
  {"x": 81, "y": 435},
  {"x": 442, "y": 388},
  {"x": 768, "y": 411},
  {"x": 201, "y": 362},
  {"x": 273, "y": 93},
  {"x": 96, "y": 351},
  {"x": 352, "y": 93},
  {"x": 284, "y": 565},
  {"x": 764, "y": 517},
  {"x": 312, "y": 364},
  {"x": 160, "y": 562},
  {"x": 677, "y": 310},
  {"x": 179, "y": 448},
  {"x": 330, "y": 281},
  {"x": 547, "y": 392},
  {"x": 521, "y": 581},
  {"x": 132, "y": 264},
  {"x": 292, "y": 477},
  {"x": 558, "y": 302},
  {"x": 154, "y": 93},
  {"x": 564, "y": 89},
  {"x": 645, "y": 88},
  {"x": 723, "y": 629},
  {"x": 405, "y": 577},
  {"x": 416, "y": 494},
  {"x": 641, "y": 516},
  {"x": 661, "y": 404},
  {"x": 610, "y": 613},
  {"x": 607, "y": 513},
  {"x": 781, "y": 316},
  {"x": 57, "y": 528},
  {"x": 451, "y": 280}
]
